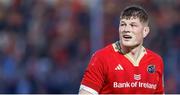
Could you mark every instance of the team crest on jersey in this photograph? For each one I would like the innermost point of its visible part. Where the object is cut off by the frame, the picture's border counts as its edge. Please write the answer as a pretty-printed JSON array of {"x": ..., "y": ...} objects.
[
  {"x": 137, "y": 76},
  {"x": 151, "y": 68}
]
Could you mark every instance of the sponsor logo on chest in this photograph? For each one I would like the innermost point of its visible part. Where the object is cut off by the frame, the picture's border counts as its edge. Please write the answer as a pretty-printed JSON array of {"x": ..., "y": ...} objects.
[{"x": 137, "y": 82}]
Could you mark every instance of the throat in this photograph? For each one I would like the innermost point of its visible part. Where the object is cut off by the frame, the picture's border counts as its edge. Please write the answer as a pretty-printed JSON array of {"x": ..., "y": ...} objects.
[{"x": 135, "y": 55}]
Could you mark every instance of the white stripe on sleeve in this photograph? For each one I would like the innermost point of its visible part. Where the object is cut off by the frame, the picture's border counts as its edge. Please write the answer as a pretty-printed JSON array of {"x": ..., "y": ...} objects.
[{"x": 86, "y": 88}]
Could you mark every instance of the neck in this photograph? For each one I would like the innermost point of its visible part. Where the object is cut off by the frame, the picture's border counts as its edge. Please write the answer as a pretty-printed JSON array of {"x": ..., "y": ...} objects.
[{"x": 134, "y": 52}]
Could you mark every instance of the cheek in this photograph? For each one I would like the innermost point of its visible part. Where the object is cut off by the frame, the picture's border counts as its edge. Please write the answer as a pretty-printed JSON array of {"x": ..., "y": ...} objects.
[
  {"x": 120, "y": 32},
  {"x": 139, "y": 34},
  {"x": 120, "y": 29},
  {"x": 139, "y": 37}
]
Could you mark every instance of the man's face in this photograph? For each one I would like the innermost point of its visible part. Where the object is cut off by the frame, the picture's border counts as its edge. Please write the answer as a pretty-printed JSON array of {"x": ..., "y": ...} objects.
[{"x": 132, "y": 32}]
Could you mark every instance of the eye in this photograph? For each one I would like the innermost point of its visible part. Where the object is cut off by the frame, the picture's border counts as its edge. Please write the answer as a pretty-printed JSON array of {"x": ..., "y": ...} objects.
[
  {"x": 122, "y": 24},
  {"x": 133, "y": 25}
]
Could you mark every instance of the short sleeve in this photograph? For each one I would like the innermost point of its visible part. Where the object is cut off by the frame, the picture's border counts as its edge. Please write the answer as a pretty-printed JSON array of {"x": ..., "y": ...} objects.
[
  {"x": 160, "y": 88},
  {"x": 94, "y": 74}
]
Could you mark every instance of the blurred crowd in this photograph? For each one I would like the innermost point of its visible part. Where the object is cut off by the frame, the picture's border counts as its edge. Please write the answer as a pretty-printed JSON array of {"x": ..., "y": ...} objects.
[{"x": 45, "y": 44}]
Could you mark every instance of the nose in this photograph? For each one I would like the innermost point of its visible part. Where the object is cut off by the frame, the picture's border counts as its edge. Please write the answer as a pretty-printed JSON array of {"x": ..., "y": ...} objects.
[
  {"x": 126, "y": 31},
  {"x": 127, "y": 28}
]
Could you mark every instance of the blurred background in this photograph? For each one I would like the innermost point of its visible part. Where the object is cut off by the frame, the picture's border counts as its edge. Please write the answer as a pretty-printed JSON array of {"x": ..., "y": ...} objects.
[{"x": 45, "y": 45}]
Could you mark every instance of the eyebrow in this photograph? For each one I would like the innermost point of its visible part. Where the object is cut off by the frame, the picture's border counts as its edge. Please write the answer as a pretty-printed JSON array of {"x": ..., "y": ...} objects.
[
  {"x": 133, "y": 23},
  {"x": 130, "y": 23},
  {"x": 122, "y": 21}
]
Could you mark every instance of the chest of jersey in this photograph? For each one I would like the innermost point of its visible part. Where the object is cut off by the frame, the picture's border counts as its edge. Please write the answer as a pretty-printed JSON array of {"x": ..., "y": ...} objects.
[{"x": 123, "y": 76}]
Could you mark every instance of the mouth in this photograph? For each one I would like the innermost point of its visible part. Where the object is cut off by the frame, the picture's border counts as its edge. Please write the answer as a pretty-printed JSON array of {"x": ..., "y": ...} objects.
[{"x": 127, "y": 37}]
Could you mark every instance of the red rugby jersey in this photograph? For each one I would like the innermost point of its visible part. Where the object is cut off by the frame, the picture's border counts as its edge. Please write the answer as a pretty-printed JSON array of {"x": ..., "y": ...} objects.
[{"x": 110, "y": 71}]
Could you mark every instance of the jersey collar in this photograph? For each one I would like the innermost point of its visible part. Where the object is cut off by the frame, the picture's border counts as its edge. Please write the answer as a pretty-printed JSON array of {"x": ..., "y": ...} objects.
[{"x": 117, "y": 48}]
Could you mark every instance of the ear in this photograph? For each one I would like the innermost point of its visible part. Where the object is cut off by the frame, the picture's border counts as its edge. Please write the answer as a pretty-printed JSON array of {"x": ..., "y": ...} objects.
[{"x": 146, "y": 31}]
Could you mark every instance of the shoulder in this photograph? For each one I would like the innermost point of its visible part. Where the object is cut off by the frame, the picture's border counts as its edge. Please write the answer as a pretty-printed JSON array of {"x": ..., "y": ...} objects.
[
  {"x": 104, "y": 51},
  {"x": 154, "y": 55},
  {"x": 156, "y": 59}
]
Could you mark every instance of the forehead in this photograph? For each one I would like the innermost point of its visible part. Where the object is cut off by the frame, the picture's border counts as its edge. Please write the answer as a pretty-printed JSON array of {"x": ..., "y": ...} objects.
[{"x": 130, "y": 20}]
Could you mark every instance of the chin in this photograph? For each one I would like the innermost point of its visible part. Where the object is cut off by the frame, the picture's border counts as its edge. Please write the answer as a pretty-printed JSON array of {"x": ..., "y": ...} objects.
[{"x": 128, "y": 44}]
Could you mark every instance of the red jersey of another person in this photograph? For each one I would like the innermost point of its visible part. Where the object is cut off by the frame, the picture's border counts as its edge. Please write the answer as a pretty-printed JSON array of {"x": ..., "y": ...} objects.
[{"x": 111, "y": 71}]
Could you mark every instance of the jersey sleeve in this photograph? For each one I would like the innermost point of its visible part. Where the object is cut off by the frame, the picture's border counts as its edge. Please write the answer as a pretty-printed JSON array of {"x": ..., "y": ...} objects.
[
  {"x": 160, "y": 88},
  {"x": 94, "y": 74}
]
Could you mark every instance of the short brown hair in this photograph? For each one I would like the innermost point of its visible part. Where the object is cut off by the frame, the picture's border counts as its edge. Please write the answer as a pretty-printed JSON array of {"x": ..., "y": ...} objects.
[{"x": 135, "y": 11}]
